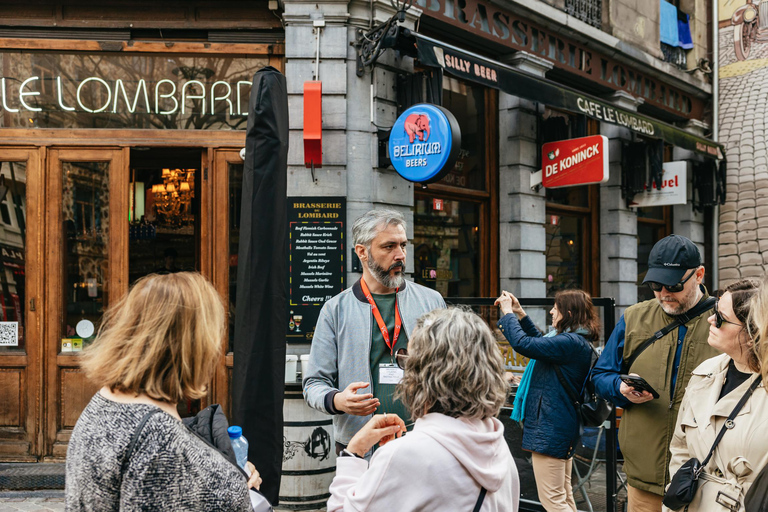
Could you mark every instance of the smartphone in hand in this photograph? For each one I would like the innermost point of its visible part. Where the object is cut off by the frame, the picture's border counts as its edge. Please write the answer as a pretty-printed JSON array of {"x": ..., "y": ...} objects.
[{"x": 638, "y": 383}]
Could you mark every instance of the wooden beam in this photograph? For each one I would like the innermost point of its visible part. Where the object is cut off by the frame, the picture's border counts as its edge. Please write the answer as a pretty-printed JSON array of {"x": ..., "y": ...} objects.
[{"x": 9, "y": 43}]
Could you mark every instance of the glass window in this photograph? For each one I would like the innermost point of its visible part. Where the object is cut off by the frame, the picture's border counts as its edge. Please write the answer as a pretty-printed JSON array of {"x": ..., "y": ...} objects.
[
  {"x": 445, "y": 245},
  {"x": 652, "y": 226},
  {"x": 235, "y": 200},
  {"x": 13, "y": 179},
  {"x": 85, "y": 200},
  {"x": 467, "y": 103},
  {"x": 565, "y": 255}
]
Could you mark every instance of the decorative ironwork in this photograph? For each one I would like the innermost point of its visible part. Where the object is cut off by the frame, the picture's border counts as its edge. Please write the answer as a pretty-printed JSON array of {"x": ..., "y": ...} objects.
[
  {"x": 674, "y": 55},
  {"x": 588, "y": 11},
  {"x": 390, "y": 34}
]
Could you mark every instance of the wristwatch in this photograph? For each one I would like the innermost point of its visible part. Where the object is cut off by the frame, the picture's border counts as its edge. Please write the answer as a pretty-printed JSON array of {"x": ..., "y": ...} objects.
[{"x": 347, "y": 453}]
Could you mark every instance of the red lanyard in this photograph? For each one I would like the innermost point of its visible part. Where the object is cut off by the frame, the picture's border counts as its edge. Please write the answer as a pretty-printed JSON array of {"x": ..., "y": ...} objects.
[{"x": 380, "y": 321}]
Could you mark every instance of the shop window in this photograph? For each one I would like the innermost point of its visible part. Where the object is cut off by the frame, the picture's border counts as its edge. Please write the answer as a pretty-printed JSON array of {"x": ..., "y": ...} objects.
[
  {"x": 456, "y": 219},
  {"x": 571, "y": 215},
  {"x": 12, "y": 268}
]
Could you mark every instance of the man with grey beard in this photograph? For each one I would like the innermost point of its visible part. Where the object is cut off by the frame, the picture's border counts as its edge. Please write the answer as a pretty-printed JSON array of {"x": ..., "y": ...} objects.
[
  {"x": 361, "y": 338},
  {"x": 674, "y": 275}
]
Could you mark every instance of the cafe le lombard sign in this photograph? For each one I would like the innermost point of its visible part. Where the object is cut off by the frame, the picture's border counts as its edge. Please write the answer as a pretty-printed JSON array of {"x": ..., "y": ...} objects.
[{"x": 506, "y": 28}]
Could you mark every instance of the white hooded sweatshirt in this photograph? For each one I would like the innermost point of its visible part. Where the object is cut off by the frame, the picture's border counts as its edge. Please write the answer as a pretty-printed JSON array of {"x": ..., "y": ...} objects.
[{"x": 441, "y": 465}]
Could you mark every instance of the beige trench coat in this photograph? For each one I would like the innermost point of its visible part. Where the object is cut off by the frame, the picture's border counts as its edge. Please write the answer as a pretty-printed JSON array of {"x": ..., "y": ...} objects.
[{"x": 742, "y": 451}]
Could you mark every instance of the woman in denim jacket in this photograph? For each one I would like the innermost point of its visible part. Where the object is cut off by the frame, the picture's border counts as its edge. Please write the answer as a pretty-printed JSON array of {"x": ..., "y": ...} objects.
[{"x": 542, "y": 404}]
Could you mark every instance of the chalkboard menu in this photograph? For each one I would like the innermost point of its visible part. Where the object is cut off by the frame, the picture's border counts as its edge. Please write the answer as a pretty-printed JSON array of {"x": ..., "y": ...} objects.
[{"x": 316, "y": 228}]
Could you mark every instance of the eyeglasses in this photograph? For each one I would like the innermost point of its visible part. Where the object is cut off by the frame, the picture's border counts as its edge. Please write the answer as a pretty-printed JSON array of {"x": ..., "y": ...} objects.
[
  {"x": 719, "y": 320},
  {"x": 401, "y": 356},
  {"x": 675, "y": 288}
]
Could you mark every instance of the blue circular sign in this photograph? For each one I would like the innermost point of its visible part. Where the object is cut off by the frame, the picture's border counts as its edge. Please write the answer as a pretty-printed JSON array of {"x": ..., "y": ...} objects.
[{"x": 424, "y": 143}]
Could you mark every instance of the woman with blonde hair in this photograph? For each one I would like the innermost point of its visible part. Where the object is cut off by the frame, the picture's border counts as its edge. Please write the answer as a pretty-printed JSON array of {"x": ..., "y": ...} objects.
[
  {"x": 456, "y": 457},
  {"x": 726, "y": 395},
  {"x": 129, "y": 449}
]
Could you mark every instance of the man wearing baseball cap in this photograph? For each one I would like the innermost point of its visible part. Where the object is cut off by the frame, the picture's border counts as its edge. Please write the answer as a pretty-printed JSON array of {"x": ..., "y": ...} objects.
[{"x": 661, "y": 340}]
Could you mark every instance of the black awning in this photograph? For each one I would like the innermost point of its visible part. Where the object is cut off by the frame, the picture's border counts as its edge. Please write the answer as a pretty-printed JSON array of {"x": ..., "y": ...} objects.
[{"x": 469, "y": 66}]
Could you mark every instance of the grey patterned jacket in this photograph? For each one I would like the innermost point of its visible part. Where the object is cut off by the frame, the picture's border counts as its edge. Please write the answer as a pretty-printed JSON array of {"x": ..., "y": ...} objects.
[{"x": 341, "y": 348}]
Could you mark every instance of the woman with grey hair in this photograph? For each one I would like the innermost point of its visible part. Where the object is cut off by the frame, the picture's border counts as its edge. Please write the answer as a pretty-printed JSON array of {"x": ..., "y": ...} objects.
[{"x": 456, "y": 457}]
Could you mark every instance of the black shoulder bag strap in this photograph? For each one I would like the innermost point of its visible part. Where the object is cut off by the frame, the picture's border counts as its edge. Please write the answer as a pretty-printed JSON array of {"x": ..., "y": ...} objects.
[
  {"x": 135, "y": 439},
  {"x": 568, "y": 389},
  {"x": 480, "y": 500},
  {"x": 729, "y": 422},
  {"x": 701, "y": 307}
]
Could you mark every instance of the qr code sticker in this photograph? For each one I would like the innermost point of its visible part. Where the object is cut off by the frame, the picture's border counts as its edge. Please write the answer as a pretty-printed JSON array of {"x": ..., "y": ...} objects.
[{"x": 9, "y": 334}]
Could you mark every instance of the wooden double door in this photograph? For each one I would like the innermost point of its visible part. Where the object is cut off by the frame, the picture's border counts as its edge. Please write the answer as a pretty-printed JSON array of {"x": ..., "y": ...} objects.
[{"x": 77, "y": 226}]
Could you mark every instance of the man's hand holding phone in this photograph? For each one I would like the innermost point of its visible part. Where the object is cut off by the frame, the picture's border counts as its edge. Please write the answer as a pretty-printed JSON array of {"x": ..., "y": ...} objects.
[{"x": 636, "y": 389}]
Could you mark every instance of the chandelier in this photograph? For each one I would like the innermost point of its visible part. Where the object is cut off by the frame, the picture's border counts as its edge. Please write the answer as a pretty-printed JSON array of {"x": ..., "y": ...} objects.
[{"x": 173, "y": 197}]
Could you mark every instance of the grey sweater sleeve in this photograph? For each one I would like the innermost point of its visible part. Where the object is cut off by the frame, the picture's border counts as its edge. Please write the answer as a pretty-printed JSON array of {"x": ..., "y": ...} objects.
[{"x": 321, "y": 382}]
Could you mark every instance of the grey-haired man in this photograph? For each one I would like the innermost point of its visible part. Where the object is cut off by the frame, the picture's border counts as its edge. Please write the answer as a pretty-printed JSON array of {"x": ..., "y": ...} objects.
[{"x": 353, "y": 366}]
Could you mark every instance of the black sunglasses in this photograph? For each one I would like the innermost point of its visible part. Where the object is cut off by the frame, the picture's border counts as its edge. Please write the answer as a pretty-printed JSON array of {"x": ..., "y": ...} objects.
[
  {"x": 675, "y": 288},
  {"x": 719, "y": 320},
  {"x": 401, "y": 356}
]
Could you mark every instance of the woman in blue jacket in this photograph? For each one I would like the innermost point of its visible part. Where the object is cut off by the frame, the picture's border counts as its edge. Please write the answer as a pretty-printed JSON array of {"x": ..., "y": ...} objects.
[{"x": 550, "y": 424}]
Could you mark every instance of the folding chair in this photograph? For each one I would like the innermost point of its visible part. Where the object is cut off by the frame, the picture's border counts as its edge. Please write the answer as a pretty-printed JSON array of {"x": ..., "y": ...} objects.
[{"x": 590, "y": 456}]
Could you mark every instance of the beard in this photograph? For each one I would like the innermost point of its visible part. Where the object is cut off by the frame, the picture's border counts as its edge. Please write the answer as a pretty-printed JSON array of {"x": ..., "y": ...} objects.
[
  {"x": 383, "y": 275},
  {"x": 684, "y": 304}
]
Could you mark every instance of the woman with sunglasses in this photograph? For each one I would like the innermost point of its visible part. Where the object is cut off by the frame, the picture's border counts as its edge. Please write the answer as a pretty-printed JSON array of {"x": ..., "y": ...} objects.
[
  {"x": 542, "y": 404},
  {"x": 716, "y": 387},
  {"x": 456, "y": 457}
]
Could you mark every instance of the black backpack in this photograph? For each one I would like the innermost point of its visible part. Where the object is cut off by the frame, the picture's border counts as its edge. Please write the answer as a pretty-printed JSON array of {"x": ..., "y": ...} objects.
[
  {"x": 756, "y": 499},
  {"x": 591, "y": 410}
]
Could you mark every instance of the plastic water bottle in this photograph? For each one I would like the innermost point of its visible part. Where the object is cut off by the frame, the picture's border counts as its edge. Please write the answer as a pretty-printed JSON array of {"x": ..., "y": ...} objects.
[{"x": 239, "y": 445}]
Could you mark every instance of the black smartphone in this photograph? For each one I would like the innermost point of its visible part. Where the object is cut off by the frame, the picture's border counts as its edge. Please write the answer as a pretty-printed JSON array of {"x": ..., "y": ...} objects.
[{"x": 638, "y": 383}]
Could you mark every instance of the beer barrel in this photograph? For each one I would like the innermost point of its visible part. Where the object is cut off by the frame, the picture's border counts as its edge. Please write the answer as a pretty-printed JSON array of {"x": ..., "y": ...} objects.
[{"x": 309, "y": 455}]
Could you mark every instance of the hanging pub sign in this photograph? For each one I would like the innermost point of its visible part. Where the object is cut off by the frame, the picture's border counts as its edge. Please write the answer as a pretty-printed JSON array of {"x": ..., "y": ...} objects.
[
  {"x": 424, "y": 143},
  {"x": 572, "y": 162},
  {"x": 673, "y": 190}
]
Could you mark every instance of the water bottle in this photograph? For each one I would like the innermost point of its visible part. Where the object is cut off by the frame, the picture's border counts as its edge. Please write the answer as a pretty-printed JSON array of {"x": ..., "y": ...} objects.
[{"x": 239, "y": 445}]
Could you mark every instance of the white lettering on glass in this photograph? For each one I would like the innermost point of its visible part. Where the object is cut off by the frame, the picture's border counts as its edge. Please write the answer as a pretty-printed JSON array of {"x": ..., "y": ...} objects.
[
  {"x": 171, "y": 95},
  {"x": 240, "y": 110},
  {"x": 5, "y": 104},
  {"x": 23, "y": 93},
  {"x": 185, "y": 97},
  {"x": 105, "y": 84},
  {"x": 61, "y": 95},
  {"x": 225, "y": 97},
  {"x": 131, "y": 107}
]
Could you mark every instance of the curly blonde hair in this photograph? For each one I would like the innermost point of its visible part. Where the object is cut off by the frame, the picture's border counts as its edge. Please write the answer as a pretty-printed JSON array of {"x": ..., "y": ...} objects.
[
  {"x": 758, "y": 320},
  {"x": 164, "y": 339},
  {"x": 454, "y": 367}
]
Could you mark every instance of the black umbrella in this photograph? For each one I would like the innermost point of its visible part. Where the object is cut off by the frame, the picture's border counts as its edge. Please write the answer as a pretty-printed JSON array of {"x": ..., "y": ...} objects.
[{"x": 258, "y": 379}]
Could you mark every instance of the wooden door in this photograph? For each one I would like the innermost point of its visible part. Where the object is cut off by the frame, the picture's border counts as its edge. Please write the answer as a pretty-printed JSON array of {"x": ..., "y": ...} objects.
[
  {"x": 227, "y": 193},
  {"x": 21, "y": 301},
  {"x": 86, "y": 269}
]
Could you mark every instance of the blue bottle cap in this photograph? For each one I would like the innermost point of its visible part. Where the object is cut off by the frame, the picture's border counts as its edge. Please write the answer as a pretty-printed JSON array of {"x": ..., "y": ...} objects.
[{"x": 234, "y": 432}]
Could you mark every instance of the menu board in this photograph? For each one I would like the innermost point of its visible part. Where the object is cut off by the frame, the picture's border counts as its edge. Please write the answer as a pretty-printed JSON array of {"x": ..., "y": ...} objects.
[{"x": 316, "y": 228}]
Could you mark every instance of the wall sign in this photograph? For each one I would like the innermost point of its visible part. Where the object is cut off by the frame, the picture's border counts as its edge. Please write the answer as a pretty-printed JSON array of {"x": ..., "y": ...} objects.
[
  {"x": 315, "y": 260},
  {"x": 80, "y": 90},
  {"x": 424, "y": 143},
  {"x": 508, "y": 28},
  {"x": 674, "y": 187},
  {"x": 581, "y": 161}
]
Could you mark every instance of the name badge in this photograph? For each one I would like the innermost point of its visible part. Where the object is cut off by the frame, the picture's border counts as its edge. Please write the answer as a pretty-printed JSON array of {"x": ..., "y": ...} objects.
[{"x": 390, "y": 374}]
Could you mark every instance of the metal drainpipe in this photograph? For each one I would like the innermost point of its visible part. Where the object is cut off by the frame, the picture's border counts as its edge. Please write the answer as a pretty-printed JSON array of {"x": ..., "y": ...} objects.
[{"x": 715, "y": 133}]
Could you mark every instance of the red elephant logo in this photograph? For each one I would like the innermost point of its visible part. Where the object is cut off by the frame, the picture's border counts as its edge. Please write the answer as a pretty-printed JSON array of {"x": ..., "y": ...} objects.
[{"x": 417, "y": 125}]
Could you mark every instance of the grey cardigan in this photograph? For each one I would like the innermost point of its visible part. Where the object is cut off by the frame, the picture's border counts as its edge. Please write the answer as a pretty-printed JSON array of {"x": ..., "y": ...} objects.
[{"x": 341, "y": 347}]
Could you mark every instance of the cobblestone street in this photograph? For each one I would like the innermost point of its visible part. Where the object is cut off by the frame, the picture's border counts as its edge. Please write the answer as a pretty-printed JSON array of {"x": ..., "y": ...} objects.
[
  {"x": 13, "y": 501},
  {"x": 743, "y": 110}
]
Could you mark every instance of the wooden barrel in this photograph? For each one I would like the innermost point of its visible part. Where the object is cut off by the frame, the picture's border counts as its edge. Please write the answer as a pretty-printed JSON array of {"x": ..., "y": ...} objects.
[{"x": 309, "y": 455}]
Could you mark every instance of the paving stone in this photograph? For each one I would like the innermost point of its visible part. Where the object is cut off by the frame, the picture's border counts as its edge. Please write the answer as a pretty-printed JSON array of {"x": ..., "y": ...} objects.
[
  {"x": 729, "y": 273},
  {"x": 751, "y": 258},
  {"x": 729, "y": 262},
  {"x": 748, "y": 246},
  {"x": 753, "y": 271}
]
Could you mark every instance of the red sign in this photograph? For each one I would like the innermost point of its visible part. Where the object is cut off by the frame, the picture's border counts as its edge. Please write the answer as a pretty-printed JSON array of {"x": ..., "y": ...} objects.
[
  {"x": 581, "y": 161},
  {"x": 437, "y": 204}
]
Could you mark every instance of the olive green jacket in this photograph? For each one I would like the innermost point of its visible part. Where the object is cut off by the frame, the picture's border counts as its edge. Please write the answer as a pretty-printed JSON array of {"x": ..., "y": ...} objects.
[{"x": 646, "y": 429}]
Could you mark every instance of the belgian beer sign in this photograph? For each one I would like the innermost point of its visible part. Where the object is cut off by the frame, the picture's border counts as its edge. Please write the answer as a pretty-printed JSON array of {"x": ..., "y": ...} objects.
[
  {"x": 572, "y": 162},
  {"x": 424, "y": 143},
  {"x": 316, "y": 233}
]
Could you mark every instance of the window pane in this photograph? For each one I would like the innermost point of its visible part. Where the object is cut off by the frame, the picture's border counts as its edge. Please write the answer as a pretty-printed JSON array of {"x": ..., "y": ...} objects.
[
  {"x": 446, "y": 246},
  {"x": 647, "y": 236},
  {"x": 235, "y": 199},
  {"x": 85, "y": 201},
  {"x": 467, "y": 103},
  {"x": 565, "y": 257},
  {"x": 13, "y": 186}
]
